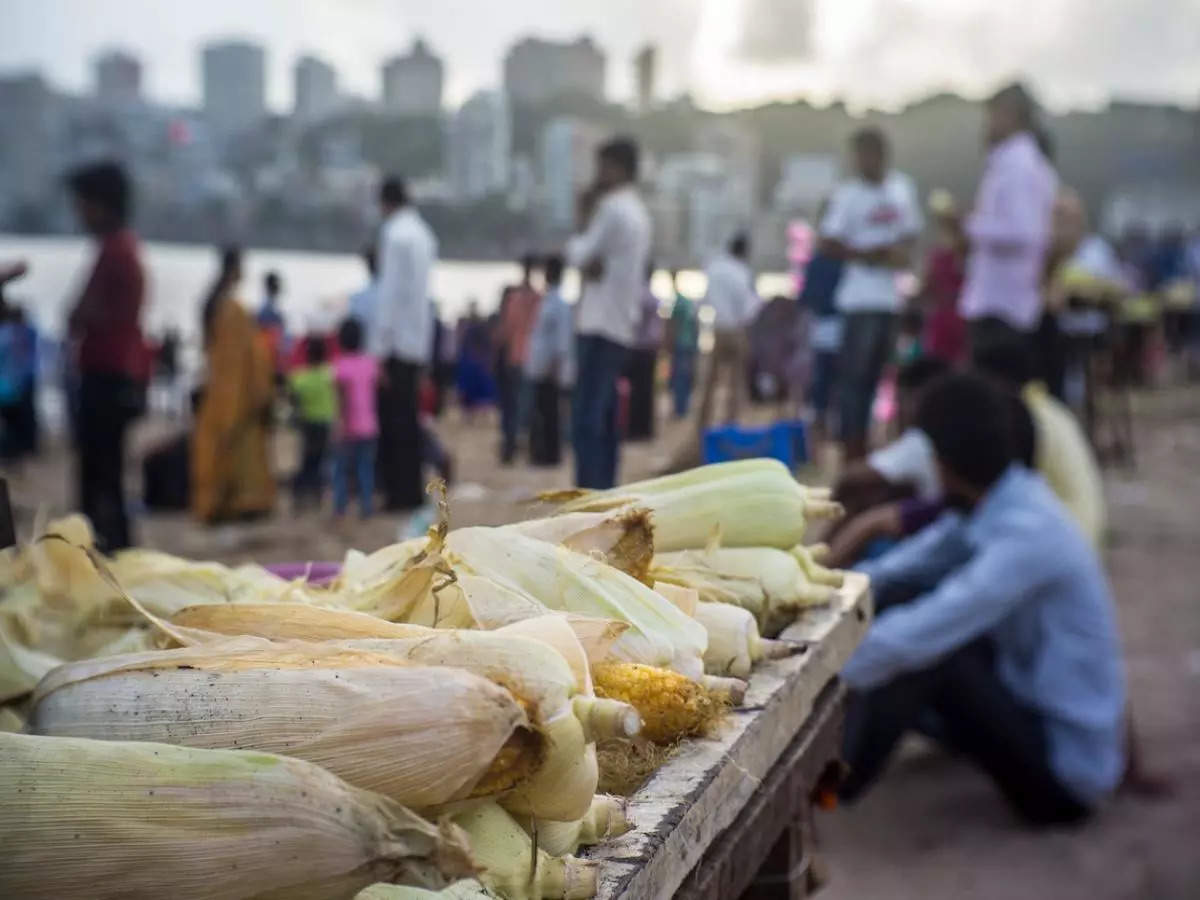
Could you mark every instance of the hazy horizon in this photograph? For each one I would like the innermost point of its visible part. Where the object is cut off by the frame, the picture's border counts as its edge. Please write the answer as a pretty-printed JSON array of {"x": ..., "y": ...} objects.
[{"x": 727, "y": 53}]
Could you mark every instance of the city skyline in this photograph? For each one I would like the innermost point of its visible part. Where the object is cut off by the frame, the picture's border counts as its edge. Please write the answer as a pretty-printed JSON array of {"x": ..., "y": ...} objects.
[{"x": 728, "y": 53}]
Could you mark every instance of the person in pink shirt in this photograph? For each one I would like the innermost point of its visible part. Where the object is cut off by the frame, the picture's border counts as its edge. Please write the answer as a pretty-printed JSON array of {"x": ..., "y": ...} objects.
[
  {"x": 357, "y": 377},
  {"x": 1009, "y": 228}
]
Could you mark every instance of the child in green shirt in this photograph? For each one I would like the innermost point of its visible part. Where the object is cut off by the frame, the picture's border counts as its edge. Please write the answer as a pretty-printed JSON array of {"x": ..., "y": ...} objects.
[{"x": 315, "y": 396}]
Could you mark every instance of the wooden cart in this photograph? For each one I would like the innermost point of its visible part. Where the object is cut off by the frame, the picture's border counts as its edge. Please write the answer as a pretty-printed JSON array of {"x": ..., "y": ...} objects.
[{"x": 732, "y": 816}]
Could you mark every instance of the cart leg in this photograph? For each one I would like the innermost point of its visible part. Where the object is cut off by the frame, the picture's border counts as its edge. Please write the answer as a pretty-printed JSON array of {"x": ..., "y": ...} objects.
[{"x": 785, "y": 872}]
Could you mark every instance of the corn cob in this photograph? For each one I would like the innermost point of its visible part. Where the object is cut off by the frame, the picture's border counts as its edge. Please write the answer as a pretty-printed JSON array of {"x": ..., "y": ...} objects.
[
  {"x": 672, "y": 707},
  {"x": 421, "y": 735},
  {"x": 606, "y": 818},
  {"x": 659, "y": 633},
  {"x": 770, "y": 583},
  {"x": 624, "y": 540},
  {"x": 512, "y": 868},
  {"x": 734, "y": 644},
  {"x": 111, "y": 819},
  {"x": 750, "y": 503}
]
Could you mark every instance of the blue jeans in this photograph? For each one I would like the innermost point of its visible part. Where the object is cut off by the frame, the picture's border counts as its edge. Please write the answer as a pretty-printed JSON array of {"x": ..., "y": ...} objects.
[
  {"x": 600, "y": 363},
  {"x": 683, "y": 375},
  {"x": 360, "y": 454}
]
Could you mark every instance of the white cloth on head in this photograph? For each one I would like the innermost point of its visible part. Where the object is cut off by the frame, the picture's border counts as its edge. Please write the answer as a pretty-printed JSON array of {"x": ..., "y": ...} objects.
[
  {"x": 403, "y": 319},
  {"x": 1009, "y": 232},
  {"x": 618, "y": 236},
  {"x": 730, "y": 292},
  {"x": 865, "y": 215},
  {"x": 909, "y": 459}
]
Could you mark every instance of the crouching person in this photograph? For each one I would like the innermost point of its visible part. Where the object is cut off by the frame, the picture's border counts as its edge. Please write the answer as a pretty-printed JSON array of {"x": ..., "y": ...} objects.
[{"x": 996, "y": 623}]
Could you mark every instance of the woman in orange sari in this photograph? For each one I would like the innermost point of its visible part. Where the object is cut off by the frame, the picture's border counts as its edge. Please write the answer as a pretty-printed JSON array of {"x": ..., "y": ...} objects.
[{"x": 231, "y": 471}]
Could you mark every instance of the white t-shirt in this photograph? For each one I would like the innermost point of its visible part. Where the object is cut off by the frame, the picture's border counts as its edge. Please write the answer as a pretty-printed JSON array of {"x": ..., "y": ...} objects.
[
  {"x": 909, "y": 459},
  {"x": 619, "y": 236},
  {"x": 730, "y": 293},
  {"x": 865, "y": 216}
]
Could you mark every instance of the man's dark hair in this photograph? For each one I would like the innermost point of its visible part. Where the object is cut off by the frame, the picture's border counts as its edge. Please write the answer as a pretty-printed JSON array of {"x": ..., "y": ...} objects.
[
  {"x": 106, "y": 185},
  {"x": 969, "y": 420},
  {"x": 529, "y": 262},
  {"x": 920, "y": 372},
  {"x": 393, "y": 191},
  {"x": 870, "y": 138},
  {"x": 272, "y": 282},
  {"x": 314, "y": 350},
  {"x": 623, "y": 153},
  {"x": 739, "y": 245},
  {"x": 350, "y": 336},
  {"x": 1018, "y": 97},
  {"x": 1008, "y": 361},
  {"x": 554, "y": 268}
]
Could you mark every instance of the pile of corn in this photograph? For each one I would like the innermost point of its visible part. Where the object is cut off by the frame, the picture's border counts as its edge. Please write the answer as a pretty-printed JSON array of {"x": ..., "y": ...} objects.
[{"x": 431, "y": 716}]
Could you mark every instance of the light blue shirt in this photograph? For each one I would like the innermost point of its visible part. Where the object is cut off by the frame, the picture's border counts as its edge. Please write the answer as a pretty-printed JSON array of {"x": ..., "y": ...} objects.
[
  {"x": 1034, "y": 586},
  {"x": 550, "y": 341}
]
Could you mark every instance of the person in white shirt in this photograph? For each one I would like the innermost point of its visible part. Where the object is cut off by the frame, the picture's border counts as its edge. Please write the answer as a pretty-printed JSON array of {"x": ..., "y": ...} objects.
[
  {"x": 401, "y": 336},
  {"x": 1010, "y": 227},
  {"x": 734, "y": 304},
  {"x": 871, "y": 224},
  {"x": 611, "y": 255}
]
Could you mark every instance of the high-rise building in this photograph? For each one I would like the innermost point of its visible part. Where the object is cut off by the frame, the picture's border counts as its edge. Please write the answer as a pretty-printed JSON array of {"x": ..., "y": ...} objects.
[
  {"x": 645, "y": 70},
  {"x": 568, "y": 165},
  {"x": 536, "y": 70},
  {"x": 118, "y": 77},
  {"x": 412, "y": 84},
  {"x": 28, "y": 164},
  {"x": 316, "y": 89},
  {"x": 480, "y": 147},
  {"x": 234, "y": 86}
]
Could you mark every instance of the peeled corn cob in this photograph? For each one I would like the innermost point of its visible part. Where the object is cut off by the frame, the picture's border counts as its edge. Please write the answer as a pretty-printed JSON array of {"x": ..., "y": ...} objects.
[
  {"x": 111, "y": 819},
  {"x": 671, "y": 706},
  {"x": 422, "y": 735},
  {"x": 605, "y": 819},
  {"x": 750, "y": 503},
  {"x": 511, "y": 867},
  {"x": 734, "y": 644},
  {"x": 659, "y": 633}
]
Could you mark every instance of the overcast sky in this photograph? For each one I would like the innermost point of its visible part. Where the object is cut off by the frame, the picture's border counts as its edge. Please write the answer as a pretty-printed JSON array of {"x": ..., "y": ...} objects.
[{"x": 726, "y": 52}]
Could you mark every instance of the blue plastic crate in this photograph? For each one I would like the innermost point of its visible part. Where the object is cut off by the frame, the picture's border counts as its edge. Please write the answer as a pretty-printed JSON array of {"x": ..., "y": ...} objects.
[{"x": 784, "y": 441}]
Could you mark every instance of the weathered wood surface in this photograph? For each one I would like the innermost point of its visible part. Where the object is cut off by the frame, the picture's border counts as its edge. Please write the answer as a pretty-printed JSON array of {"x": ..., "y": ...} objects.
[{"x": 700, "y": 791}]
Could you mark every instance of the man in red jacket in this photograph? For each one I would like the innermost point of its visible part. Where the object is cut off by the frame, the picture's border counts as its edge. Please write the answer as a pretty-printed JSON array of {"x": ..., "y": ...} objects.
[{"x": 110, "y": 351}]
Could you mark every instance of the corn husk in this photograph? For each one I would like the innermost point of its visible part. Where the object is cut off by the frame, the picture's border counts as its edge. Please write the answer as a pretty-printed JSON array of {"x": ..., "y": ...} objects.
[
  {"x": 513, "y": 868},
  {"x": 606, "y": 818},
  {"x": 749, "y": 503},
  {"x": 624, "y": 540},
  {"x": 421, "y": 735},
  {"x": 460, "y": 890},
  {"x": 659, "y": 633},
  {"x": 769, "y": 583},
  {"x": 734, "y": 644},
  {"x": 111, "y": 819},
  {"x": 11, "y": 720}
]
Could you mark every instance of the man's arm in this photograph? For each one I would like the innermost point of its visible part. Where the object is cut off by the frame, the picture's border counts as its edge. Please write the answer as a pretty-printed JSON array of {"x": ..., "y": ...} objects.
[
  {"x": 969, "y": 602},
  {"x": 585, "y": 251}
]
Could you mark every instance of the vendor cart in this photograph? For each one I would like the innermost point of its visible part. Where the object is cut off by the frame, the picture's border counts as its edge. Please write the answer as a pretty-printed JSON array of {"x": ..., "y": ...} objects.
[{"x": 732, "y": 816}]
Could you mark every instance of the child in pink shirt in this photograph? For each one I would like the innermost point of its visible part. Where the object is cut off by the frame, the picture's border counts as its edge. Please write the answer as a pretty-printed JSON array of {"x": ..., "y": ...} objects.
[{"x": 357, "y": 376}]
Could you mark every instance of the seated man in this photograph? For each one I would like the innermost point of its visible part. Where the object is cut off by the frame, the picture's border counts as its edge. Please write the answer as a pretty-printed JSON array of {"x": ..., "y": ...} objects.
[{"x": 999, "y": 621}]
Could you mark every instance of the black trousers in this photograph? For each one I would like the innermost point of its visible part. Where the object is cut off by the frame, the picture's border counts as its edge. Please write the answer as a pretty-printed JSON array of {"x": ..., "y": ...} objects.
[
  {"x": 545, "y": 425},
  {"x": 399, "y": 454},
  {"x": 19, "y": 427},
  {"x": 310, "y": 480},
  {"x": 981, "y": 720},
  {"x": 107, "y": 404},
  {"x": 641, "y": 394}
]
